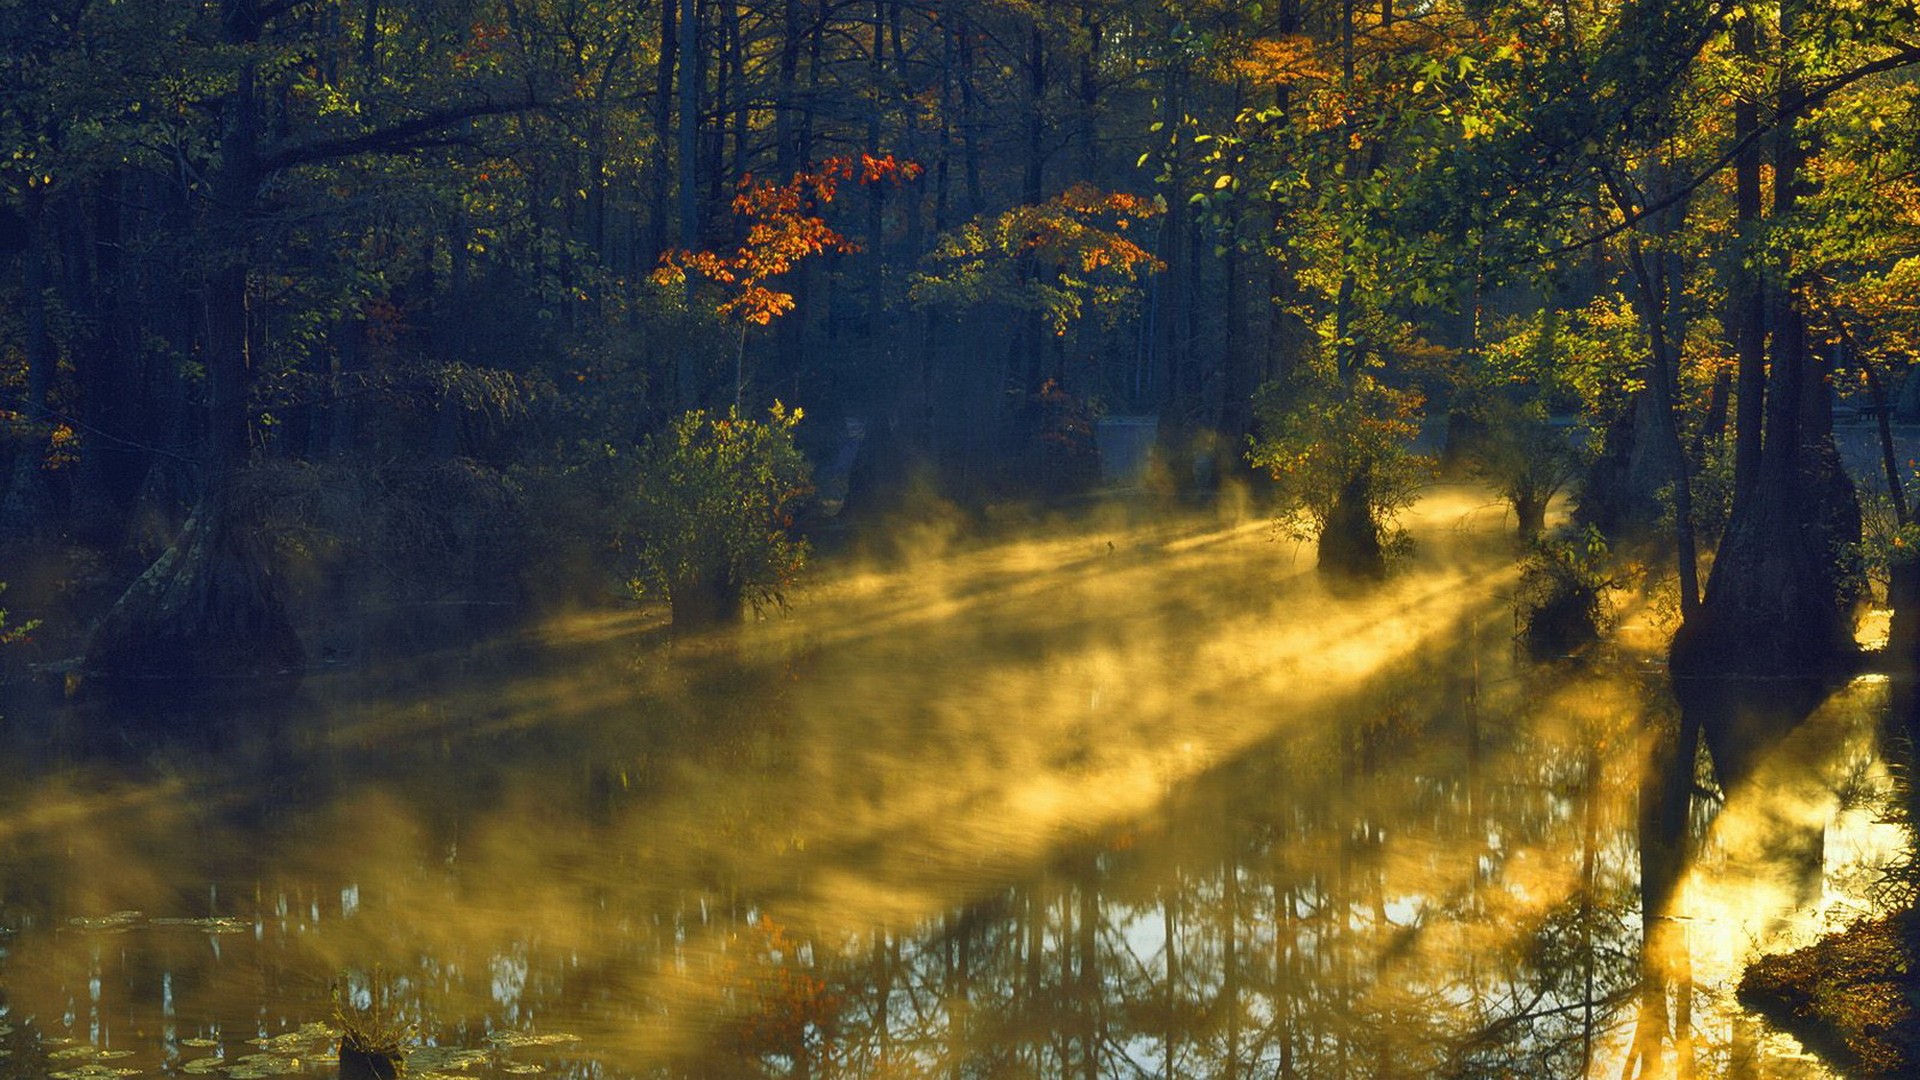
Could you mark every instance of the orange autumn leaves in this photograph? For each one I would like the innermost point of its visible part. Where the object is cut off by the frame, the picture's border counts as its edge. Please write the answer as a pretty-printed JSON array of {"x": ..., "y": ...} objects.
[
  {"x": 1080, "y": 236},
  {"x": 783, "y": 229}
]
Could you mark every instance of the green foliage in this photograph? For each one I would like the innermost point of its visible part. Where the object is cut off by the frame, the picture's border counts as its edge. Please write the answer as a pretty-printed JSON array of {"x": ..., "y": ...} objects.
[
  {"x": 1589, "y": 358},
  {"x": 716, "y": 503},
  {"x": 10, "y": 635},
  {"x": 1885, "y": 541},
  {"x": 1321, "y": 437},
  {"x": 1065, "y": 256},
  {"x": 1561, "y": 605}
]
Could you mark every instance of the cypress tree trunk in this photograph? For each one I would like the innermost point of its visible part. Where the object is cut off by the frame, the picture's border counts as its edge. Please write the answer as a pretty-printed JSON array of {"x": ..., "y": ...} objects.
[
  {"x": 1776, "y": 603},
  {"x": 1350, "y": 542},
  {"x": 205, "y": 617}
]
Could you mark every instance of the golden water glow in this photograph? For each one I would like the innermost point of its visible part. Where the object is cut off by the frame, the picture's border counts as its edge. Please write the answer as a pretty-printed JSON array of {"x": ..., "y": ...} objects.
[{"x": 1101, "y": 752}]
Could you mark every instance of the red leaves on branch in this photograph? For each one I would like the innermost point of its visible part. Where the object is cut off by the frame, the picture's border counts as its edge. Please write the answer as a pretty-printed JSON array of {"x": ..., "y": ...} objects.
[{"x": 783, "y": 228}]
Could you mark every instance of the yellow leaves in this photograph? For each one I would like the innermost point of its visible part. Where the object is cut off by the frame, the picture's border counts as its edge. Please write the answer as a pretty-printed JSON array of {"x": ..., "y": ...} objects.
[
  {"x": 63, "y": 448},
  {"x": 1282, "y": 61}
]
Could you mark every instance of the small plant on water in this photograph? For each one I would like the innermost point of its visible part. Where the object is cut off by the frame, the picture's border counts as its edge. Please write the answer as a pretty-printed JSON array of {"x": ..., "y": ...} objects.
[
  {"x": 714, "y": 513},
  {"x": 1561, "y": 606},
  {"x": 372, "y": 1036}
]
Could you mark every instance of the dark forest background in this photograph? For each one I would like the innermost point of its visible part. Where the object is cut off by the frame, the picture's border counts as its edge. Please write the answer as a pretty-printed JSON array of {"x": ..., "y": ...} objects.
[{"x": 393, "y": 309}]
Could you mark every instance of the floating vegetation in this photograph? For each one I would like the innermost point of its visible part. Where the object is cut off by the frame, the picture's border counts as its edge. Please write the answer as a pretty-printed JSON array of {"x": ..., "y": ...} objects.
[
  {"x": 306, "y": 1038},
  {"x": 92, "y": 1052},
  {"x": 94, "y": 1071},
  {"x": 302, "y": 1050},
  {"x": 510, "y": 1040},
  {"x": 442, "y": 1059},
  {"x": 117, "y": 922},
  {"x": 520, "y": 1068},
  {"x": 92, "y": 1068},
  {"x": 214, "y": 924},
  {"x": 258, "y": 1065}
]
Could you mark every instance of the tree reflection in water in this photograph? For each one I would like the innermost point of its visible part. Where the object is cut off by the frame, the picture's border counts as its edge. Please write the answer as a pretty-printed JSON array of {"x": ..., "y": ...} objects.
[
  {"x": 1472, "y": 909},
  {"x": 1078, "y": 805},
  {"x": 1412, "y": 893}
]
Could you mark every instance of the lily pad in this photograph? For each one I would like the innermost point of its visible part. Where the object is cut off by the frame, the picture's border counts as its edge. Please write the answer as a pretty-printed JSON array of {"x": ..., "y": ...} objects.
[
  {"x": 508, "y": 1040},
  {"x": 217, "y": 924},
  {"x": 438, "y": 1058},
  {"x": 203, "y": 1066},
  {"x": 254, "y": 1066},
  {"x": 307, "y": 1036},
  {"x": 200, "y": 1044}
]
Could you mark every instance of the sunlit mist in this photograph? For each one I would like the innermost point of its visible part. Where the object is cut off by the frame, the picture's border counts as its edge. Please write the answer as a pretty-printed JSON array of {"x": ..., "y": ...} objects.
[{"x": 1107, "y": 792}]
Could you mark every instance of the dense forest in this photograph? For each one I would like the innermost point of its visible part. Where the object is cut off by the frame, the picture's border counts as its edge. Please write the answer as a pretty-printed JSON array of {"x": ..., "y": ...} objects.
[
  {"x": 415, "y": 418},
  {"x": 370, "y": 306}
]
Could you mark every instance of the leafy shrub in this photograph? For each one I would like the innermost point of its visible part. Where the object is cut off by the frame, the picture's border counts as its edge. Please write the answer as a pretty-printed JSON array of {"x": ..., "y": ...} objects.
[
  {"x": 1561, "y": 606},
  {"x": 714, "y": 512},
  {"x": 1525, "y": 457},
  {"x": 9, "y": 635},
  {"x": 1341, "y": 455}
]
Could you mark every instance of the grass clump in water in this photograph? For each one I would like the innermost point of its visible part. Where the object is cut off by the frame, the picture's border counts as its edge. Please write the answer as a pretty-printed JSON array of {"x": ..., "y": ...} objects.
[{"x": 372, "y": 1037}]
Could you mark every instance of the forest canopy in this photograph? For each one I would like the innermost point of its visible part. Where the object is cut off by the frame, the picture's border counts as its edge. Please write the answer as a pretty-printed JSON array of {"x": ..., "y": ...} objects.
[{"x": 359, "y": 241}]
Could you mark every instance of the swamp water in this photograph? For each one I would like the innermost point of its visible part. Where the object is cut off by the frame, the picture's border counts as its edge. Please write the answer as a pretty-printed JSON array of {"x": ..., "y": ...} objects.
[{"x": 1134, "y": 798}]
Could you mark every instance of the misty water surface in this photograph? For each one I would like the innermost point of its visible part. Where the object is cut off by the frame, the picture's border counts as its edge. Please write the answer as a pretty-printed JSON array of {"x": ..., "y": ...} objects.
[{"x": 1109, "y": 796}]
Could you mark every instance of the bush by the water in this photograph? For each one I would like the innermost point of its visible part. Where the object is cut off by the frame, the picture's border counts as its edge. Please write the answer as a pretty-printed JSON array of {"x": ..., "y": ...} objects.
[
  {"x": 1340, "y": 453},
  {"x": 1562, "y": 605},
  {"x": 9, "y": 635},
  {"x": 713, "y": 516}
]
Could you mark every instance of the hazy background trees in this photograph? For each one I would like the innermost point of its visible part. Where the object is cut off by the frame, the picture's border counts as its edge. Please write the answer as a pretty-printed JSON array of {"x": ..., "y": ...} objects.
[{"x": 365, "y": 241}]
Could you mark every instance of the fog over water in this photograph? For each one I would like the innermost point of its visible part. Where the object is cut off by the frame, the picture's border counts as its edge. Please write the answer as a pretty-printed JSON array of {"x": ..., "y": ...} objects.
[{"x": 1116, "y": 793}]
